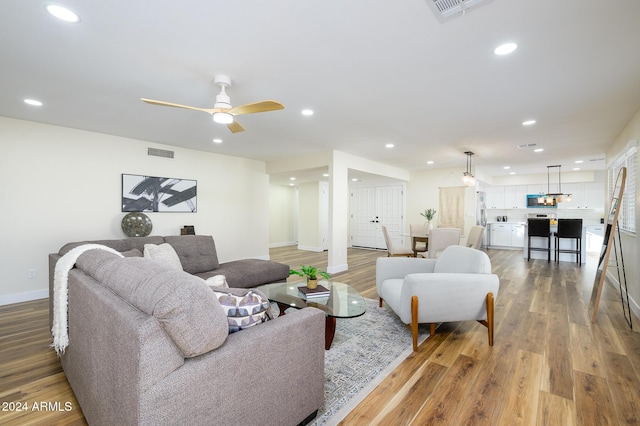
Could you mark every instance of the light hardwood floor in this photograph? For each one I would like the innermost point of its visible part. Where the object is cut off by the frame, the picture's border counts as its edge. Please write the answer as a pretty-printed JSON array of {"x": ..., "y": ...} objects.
[{"x": 549, "y": 366}]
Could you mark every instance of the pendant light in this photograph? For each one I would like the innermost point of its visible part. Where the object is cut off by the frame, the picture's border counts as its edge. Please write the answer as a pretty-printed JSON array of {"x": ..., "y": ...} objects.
[
  {"x": 467, "y": 178},
  {"x": 555, "y": 197}
]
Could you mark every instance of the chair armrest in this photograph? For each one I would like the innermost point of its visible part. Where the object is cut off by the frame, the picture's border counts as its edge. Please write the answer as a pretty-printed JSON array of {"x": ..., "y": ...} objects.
[
  {"x": 398, "y": 267},
  {"x": 445, "y": 297}
]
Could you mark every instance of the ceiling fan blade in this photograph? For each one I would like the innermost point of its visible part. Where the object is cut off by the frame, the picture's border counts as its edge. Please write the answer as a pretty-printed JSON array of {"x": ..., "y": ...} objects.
[
  {"x": 170, "y": 104},
  {"x": 235, "y": 127},
  {"x": 262, "y": 106}
]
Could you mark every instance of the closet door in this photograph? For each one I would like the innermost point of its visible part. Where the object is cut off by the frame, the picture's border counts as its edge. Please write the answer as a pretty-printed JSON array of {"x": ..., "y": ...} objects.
[{"x": 372, "y": 207}]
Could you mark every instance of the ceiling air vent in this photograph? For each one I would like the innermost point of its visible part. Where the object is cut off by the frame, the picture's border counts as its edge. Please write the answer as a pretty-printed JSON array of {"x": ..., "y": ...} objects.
[
  {"x": 155, "y": 152},
  {"x": 447, "y": 9}
]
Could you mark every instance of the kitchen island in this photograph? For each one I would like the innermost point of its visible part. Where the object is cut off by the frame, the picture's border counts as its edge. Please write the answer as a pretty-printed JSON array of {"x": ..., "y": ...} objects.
[{"x": 565, "y": 243}]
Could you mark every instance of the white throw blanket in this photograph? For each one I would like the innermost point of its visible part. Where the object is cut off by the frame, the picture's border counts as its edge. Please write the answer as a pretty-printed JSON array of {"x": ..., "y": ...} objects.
[{"x": 61, "y": 293}]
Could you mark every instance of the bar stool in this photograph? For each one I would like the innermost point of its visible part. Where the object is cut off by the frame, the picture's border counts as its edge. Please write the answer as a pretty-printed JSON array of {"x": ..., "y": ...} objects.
[
  {"x": 572, "y": 229},
  {"x": 540, "y": 228}
]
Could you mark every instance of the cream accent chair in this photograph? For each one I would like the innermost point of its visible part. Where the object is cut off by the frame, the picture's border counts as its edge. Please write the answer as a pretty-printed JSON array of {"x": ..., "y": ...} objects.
[
  {"x": 392, "y": 250},
  {"x": 475, "y": 237},
  {"x": 457, "y": 286},
  {"x": 440, "y": 239}
]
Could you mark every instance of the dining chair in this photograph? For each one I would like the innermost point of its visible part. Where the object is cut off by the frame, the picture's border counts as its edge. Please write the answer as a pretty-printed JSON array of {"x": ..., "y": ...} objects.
[
  {"x": 474, "y": 240},
  {"x": 440, "y": 239},
  {"x": 394, "y": 250}
]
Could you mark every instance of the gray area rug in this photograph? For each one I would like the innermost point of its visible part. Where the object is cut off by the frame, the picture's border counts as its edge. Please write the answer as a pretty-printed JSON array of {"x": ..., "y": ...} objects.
[{"x": 364, "y": 351}]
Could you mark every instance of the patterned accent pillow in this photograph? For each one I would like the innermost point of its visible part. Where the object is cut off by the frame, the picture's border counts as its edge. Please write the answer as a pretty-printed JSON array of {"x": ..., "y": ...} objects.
[{"x": 244, "y": 307}]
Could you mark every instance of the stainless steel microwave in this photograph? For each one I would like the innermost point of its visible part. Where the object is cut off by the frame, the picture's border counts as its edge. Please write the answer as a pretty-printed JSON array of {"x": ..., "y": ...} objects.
[{"x": 533, "y": 201}]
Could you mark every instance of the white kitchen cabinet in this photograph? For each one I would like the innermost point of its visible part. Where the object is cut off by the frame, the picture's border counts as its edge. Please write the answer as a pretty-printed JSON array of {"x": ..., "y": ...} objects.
[
  {"x": 517, "y": 235},
  {"x": 595, "y": 238},
  {"x": 501, "y": 234},
  {"x": 507, "y": 235},
  {"x": 515, "y": 197},
  {"x": 583, "y": 195},
  {"x": 495, "y": 197}
]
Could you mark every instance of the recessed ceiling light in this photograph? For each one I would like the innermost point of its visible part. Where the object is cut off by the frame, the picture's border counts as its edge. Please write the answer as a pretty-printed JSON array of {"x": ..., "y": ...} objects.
[
  {"x": 576, "y": 168},
  {"x": 33, "y": 102},
  {"x": 389, "y": 145},
  {"x": 505, "y": 49},
  {"x": 292, "y": 178},
  {"x": 430, "y": 162},
  {"x": 355, "y": 180},
  {"x": 307, "y": 112},
  {"x": 507, "y": 167},
  {"x": 528, "y": 122},
  {"x": 62, "y": 13},
  {"x": 290, "y": 184},
  {"x": 538, "y": 150},
  {"x": 217, "y": 140},
  {"x": 512, "y": 173},
  {"x": 579, "y": 161},
  {"x": 325, "y": 174}
]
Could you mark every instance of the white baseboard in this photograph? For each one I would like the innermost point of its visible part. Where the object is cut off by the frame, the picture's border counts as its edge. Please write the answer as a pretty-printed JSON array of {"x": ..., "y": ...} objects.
[
  {"x": 310, "y": 248},
  {"x": 337, "y": 268},
  {"x": 285, "y": 244},
  {"x": 613, "y": 281},
  {"x": 10, "y": 299}
]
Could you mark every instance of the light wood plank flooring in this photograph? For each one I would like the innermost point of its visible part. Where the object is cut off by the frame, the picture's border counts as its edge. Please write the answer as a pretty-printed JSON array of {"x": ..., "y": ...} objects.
[{"x": 549, "y": 366}]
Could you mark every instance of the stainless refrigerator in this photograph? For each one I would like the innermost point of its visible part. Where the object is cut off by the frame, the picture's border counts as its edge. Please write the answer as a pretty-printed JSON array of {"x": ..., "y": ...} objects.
[{"x": 481, "y": 215}]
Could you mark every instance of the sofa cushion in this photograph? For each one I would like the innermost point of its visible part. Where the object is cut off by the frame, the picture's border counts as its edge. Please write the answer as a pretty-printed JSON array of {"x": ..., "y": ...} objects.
[
  {"x": 197, "y": 253},
  {"x": 132, "y": 253},
  {"x": 244, "y": 308},
  {"x": 163, "y": 253},
  {"x": 121, "y": 245},
  {"x": 247, "y": 273},
  {"x": 185, "y": 307}
]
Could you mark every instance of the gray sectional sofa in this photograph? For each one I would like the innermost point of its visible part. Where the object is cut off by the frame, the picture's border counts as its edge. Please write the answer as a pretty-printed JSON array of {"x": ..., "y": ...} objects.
[{"x": 150, "y": 345}]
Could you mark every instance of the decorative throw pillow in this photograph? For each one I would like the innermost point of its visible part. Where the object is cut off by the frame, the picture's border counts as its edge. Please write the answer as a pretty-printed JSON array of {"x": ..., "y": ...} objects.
[
  {"x": 217, "y": 281},
  {"x": 244, "y": 307},
  {"x": 163, "y": 253}
]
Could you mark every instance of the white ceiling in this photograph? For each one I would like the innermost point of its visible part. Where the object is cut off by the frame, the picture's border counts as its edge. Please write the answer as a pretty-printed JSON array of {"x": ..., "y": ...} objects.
[{"x": 374, "y": 72}]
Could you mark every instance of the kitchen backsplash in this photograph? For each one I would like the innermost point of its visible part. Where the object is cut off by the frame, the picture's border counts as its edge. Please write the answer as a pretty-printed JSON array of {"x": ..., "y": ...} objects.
[{"x": 588, "y": 216}]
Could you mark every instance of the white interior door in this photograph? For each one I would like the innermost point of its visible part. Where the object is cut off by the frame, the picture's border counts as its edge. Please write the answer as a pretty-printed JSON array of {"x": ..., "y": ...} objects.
[{"x": 372, "y": 207}]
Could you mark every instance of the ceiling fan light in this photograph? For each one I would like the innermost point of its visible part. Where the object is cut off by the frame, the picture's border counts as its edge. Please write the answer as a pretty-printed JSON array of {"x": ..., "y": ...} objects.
[{"x": 223, "y": 118}]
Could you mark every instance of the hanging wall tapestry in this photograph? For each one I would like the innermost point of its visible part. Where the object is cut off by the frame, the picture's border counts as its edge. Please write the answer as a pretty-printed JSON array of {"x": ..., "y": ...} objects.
[{"x": 158, "y": 194}]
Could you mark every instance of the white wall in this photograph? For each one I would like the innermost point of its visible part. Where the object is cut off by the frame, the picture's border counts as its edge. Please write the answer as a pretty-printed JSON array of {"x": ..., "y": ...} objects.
[
  {"x": 281, "y": 212},
  {"x": 630, "y": 243},
  {"x": 309, "y": 230},
  {"x": 423, "y": 192},
  {"x": 61, "y": 185}
]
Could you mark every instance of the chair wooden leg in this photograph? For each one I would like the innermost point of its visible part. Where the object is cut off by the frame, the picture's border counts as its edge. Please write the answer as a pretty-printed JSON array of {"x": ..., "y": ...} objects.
[
  {"x": 380, "y": 302},
  {"x": 414, "y": 322},
  {"x": 432, "y": 329},
  {"x": 490, "y": 317}
]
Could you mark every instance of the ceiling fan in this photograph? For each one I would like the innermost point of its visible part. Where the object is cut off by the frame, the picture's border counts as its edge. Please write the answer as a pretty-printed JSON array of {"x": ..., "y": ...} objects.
[{"x": 222, "y": 110}]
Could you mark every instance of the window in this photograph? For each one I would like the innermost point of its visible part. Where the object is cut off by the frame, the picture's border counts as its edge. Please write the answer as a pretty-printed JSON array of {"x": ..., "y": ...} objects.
[{"x": 628, "y": 159}]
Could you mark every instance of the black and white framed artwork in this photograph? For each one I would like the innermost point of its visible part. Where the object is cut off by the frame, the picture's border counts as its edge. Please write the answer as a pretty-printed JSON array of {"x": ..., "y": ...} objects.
[{"x": 158, "y": 194}]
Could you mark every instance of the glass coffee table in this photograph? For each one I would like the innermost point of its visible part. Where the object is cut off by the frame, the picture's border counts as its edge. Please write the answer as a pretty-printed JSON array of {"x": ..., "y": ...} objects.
[{"x": 342, "y": 302}]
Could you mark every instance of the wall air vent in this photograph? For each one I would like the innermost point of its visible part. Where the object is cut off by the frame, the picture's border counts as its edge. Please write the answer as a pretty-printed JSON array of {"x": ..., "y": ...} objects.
[
  {"x": 155, "y": 152},
  {"x": 526, "y": 145},
  {"x": 447, "y": 9}
]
